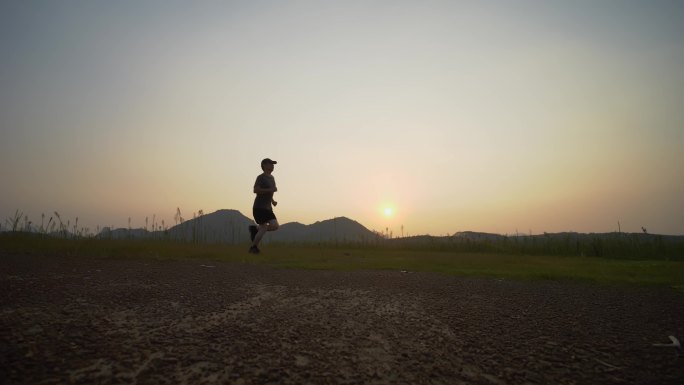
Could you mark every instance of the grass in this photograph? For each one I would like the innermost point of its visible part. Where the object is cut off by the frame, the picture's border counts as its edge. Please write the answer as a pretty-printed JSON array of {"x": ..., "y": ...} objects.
[
  {"x": 524, "y": 267},
  {"x": 513, "y": 266}
]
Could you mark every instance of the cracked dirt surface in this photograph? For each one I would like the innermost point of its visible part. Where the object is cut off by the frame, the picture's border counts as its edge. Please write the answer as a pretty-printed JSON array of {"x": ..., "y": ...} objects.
[{"x": 112, "y": 321}]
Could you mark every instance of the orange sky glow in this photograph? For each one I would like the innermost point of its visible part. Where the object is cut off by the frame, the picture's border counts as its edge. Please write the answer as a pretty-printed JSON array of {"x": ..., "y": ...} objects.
[{"x": 501, "y": 117}]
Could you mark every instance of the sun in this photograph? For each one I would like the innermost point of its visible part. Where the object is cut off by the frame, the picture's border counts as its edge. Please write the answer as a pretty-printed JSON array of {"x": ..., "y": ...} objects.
[{"x": 388, "y": 211}]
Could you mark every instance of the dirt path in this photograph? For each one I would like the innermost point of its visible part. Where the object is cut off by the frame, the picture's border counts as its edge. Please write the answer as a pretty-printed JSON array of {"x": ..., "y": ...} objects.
[{"x": 86, "y": 321}]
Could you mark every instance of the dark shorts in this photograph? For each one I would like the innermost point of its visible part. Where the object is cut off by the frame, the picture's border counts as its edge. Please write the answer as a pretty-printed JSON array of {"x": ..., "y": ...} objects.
[{"x": 262, "y": 216}]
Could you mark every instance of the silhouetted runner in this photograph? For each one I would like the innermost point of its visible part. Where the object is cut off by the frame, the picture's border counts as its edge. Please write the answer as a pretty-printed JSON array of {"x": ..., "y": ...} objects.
[{"x": 264, "y": 187}]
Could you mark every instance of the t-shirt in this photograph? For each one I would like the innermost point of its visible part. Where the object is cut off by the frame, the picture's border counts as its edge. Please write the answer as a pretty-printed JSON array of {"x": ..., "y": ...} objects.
[{"x": 263, "y": 201}]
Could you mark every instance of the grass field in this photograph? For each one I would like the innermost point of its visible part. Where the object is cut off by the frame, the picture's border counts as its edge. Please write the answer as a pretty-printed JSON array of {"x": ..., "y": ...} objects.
[{"x": 354, "y": 257}]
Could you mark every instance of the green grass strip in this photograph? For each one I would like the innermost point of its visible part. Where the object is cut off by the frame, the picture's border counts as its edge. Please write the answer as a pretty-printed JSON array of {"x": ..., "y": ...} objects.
[{"x": 522, "y": 267}]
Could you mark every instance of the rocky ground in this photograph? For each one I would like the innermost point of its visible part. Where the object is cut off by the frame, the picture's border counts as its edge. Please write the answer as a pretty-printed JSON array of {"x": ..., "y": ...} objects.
[{"x": 112, "y": 321}]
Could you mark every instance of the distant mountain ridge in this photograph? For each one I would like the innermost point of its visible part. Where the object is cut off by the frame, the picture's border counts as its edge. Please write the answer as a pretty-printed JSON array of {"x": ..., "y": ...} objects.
[
  {"x": 231, "y": 226},
  {"x": 340, "y": 229}
]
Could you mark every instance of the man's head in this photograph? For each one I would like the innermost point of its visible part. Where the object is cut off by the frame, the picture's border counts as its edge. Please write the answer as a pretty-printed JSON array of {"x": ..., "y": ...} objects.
[{"x": 267, "y": 164}]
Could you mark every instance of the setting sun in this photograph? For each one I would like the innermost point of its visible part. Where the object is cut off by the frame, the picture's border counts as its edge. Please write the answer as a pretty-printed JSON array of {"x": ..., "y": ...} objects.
[{"x": 388, "y": 211}]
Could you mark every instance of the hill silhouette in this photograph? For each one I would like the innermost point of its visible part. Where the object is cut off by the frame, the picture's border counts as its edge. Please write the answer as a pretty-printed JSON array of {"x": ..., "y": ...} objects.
[
  {"x": 231, "y": 226},
  {"x": 222, "y": 226},
  {"x": 340, "y": 229}
]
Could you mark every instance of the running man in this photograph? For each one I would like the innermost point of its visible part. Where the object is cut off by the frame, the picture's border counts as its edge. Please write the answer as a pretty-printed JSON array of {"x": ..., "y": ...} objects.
[{"x": 264, "y": 187}]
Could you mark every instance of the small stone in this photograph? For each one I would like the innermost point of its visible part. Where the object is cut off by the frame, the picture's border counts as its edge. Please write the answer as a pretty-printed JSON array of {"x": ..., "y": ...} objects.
[
  {"x": 34, "y": 330},
  {"x": 301, "y": 361}
]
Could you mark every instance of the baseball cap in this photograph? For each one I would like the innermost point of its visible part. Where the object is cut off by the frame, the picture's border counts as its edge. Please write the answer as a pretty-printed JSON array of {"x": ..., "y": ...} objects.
[{"x": 267, "y": 160}]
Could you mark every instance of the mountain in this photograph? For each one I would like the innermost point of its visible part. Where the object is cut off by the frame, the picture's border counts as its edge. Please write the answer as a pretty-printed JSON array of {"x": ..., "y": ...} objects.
[
  {"x": 339, "y": 229},
  {"x": 231, "y": 226},
  {"x": 477, "y": 236},
  {"x": 222, "y": 226},
  {"x": 122, "y": 233}
]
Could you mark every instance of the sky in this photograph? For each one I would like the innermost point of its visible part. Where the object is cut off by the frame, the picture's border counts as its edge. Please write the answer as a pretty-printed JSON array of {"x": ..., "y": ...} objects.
[{"x": 494, "y": 116}]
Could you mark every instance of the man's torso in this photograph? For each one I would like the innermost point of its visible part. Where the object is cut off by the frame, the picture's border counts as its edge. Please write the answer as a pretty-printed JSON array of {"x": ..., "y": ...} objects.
[{"x": 263, "y": 201}]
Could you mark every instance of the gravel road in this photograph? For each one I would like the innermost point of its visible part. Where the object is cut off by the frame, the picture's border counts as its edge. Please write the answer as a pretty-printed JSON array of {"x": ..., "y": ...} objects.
[{"x": 111, "y": 321}]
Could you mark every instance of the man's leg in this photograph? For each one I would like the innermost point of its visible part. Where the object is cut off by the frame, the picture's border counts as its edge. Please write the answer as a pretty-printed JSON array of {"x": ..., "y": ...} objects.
[
  {"x": 271, "y": 225},
  {"x": 263, "y": 228},
  {"x": 253, "y": 229}
]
